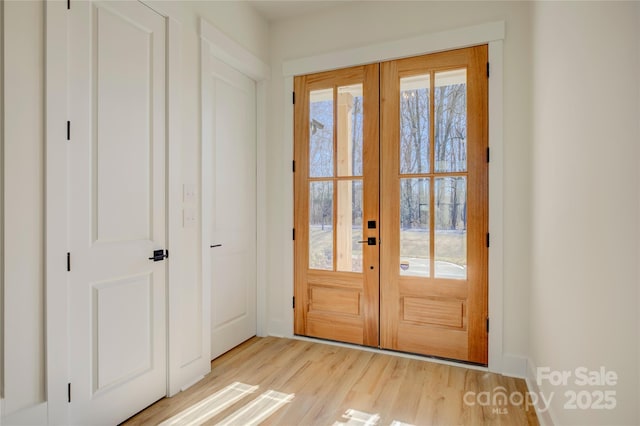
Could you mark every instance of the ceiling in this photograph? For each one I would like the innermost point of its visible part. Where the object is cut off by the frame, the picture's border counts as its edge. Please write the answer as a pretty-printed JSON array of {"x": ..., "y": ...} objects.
[{"x": 283, "y": 9}]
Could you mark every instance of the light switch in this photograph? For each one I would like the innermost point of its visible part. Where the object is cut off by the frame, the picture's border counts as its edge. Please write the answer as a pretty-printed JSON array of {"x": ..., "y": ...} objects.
[
  {"x": 189, "y": 218},
  {"x": 189, "y": 193}
]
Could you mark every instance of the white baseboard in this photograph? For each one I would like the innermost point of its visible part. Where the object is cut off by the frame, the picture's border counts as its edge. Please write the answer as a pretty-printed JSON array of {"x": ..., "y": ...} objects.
[
  {"x": 514, "y": 366},
  {"x": 278, "y": 328},
  {"x": 191, "y": 383},
  {"x": 545, "y": 418},
  {"x": 34, "y": 415}
]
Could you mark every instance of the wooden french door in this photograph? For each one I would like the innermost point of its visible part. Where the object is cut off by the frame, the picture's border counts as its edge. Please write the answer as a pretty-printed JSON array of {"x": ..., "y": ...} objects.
[
  {"x": 434, "y": 205},
  {"x": 433, "y": 195},
  {"x": 336, "y": 205}
]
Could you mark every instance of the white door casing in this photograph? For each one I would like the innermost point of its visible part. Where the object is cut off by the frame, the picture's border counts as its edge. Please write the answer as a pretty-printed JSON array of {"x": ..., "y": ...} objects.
[
  {"x": 229, "y": 203},
  {"x": 116, "y": 210}
]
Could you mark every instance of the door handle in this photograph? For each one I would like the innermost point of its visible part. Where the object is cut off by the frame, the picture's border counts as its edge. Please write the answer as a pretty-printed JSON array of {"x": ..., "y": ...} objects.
[
  {"x": 371, "y": 241},
  {"x": 159, "y": 255},
  {"x": 216, "y": 245}
]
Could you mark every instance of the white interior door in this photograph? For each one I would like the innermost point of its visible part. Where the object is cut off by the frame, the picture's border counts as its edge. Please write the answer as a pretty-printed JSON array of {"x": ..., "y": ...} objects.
[
  {"x": 116, "y": 210},
  {"x": 229, "y": 188}
]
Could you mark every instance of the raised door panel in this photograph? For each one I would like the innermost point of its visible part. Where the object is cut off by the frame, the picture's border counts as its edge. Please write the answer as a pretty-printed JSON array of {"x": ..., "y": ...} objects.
[{"x": 122, "y": 131}]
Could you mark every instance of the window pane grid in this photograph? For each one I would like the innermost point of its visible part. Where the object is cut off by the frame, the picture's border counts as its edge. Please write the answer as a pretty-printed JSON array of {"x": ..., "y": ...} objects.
[
  {"x": 335, "y": 178},
  {"x": 437, "y": 248}
]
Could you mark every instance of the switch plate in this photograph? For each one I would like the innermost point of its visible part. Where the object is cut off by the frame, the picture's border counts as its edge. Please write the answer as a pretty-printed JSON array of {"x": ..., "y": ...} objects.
[
  {"x": 189, "y": 218},
  {"x": 189, "y": 193}
]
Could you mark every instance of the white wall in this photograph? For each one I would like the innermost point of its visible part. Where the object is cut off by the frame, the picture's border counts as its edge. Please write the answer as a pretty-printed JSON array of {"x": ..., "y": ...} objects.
[
  {"x": 585, "y": 196},
  {"x": 1, "y": 207},
  {"x": 360, "y": 24},
  {"x": 24, "y": 186},
  {"x": 23, "y": 29},
  {"x": 242, "y": 24}
]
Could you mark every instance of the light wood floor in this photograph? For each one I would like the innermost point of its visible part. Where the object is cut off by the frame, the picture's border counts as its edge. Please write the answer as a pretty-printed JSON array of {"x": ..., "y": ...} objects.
[{"x": 317, "y": 384}]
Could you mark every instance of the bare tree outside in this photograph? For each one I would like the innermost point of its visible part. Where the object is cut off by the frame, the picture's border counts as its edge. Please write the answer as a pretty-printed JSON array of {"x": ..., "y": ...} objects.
[{"x": 449, "y": 209}]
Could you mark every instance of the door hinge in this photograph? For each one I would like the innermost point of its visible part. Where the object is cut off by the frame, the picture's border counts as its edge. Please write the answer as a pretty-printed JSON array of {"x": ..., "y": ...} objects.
[
  {"x": 293, "y": 98},
  {"x": 293, "y": 302},
  {"x": 293, "y": 234},
  {"x": 487, "y": 325},
  {"x": 68, "y": 130},
  {"x": 68, "y": 262},
  {"x": 487, "y": 69},
  {"x": 293, "y": 166},
  {"x": 488, "y": 154},
  {"x": 488, "y": 240},
  {"x": 68, "y": 392}
]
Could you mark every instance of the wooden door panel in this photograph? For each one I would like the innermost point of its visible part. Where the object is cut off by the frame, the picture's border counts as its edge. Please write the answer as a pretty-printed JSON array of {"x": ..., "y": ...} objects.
[
  {"x": 324, "y": 299},
  {"x": 433, "y": 341},
  {"x": 431, "y": 311}
]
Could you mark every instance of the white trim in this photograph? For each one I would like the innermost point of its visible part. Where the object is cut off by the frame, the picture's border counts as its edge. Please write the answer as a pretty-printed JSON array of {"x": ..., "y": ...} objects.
[
  {"x": 33, "y": 415},
  {"x": 426, "y": 43},
  {"x": 2, "y": 168},
  {"x": 232, "y": 53},
  {"x": 492, "y": 33},
  {"x": 496, "y": 207},
  {"x": 261, "y": 204},
  {"x": 514, "y": 366},
  {"x": 286, "y": 326},
  {"x": 191, "y": 382},
  {"x": 545, "y": 418},
  {"x": 215, "y": 44},
  {"x": 56, "y": 226},
  {"x": 174, "y": 200}
]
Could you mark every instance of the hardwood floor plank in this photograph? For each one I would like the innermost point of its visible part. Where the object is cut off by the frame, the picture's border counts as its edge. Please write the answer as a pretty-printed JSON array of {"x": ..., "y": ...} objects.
[{"x": 309, "y": 383}]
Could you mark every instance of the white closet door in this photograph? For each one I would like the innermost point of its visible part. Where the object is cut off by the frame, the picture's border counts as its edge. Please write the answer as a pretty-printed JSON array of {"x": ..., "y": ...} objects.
[
  {"x": 116, "y": 210},
  {"x": 229, "y": 190}
]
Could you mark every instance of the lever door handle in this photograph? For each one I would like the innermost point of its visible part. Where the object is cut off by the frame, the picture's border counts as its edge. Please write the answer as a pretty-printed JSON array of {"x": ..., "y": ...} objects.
[
  {"x": 216, "y": 245},
  {"x": 371, "y": 241},
  {"x": 159, "y": 255}
]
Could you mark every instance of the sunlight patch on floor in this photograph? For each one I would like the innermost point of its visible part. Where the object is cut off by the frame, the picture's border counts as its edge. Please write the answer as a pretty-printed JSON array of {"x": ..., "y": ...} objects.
[
  {"x": 360, "y": 418},
  {"x": 356, "y": 418},
  {"x": 258, "y": 409},
  {"x": 212, "y": 405}
]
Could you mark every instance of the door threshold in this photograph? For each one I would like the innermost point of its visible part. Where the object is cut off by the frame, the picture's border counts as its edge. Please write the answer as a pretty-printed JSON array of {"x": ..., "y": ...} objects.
[{"x": 428, "y": 358}]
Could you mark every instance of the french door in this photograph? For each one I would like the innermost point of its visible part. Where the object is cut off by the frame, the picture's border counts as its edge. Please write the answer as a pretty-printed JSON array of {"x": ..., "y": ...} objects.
[
  {"x": 336, "y": 205},
  {"x": 404, "y": 265}
]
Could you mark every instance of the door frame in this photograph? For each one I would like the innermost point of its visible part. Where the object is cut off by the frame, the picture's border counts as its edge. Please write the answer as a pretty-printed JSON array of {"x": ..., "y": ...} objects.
[
  {"x": 493, "y": 34},
  {"x": 56, "y": 211},
  {"x": 214, "y": 43}
]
